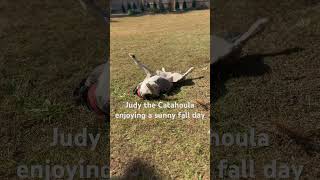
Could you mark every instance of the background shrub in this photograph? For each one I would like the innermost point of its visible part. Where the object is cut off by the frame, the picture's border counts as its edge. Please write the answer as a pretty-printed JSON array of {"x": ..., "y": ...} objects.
[
  {"x": 132, "y": 12},
  {"x": 128, "y": 6},
  {"x": 184, "y": 5},
  {"x": 123, "y": 8},
  {"x": 142, "y": 7},
  {"x": 161, "y": 6},
  {"x": 134, "y": 6},
  {"x": 154, "y": 5},
  {"x": 194, "y": 5},
  {"x": 177, "y": 6}
]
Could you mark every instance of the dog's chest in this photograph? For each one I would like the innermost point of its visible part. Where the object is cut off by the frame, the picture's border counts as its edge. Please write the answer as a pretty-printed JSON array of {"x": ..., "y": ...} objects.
[{"x": 160, "y": 84}]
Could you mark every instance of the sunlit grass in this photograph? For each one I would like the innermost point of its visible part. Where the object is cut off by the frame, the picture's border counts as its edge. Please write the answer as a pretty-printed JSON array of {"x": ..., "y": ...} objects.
[{"x": 177, "y": 149}]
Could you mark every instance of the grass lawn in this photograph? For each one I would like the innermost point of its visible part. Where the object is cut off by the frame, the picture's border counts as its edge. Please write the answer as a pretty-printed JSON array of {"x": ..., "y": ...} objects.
[
  {"x": 47, "y": 48},
  {"x": 176, "y": 149},
  {"x": 264, "y": 90}
]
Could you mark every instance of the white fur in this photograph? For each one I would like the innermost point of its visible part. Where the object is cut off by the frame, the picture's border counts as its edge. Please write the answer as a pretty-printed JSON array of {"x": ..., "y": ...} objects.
[{"x": 159, "y": 82}]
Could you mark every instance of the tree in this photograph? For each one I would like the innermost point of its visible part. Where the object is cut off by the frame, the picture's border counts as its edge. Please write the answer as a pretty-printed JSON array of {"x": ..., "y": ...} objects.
[
  {"x": 194, "y": 4},
  {"x": 154, "y": 5},
  {"x": 184, "y": 5},
  {"x": 123, "y": 8},
  {"x": 129, "y": 6},
  {"x": 177, "y": 6},
  {"x": 134, "y": 6},
  {"x": 161, "y": 6},
  {"x": 141, "y": 7}
]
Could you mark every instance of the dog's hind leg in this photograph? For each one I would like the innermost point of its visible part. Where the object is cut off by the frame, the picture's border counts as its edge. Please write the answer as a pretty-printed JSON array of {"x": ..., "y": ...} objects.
[
  {"x": 176, "y": 77},
  {"x": 188, "y": 72},
  {"x": 148, "y": 72},
  {"x": 256, "y": 28}
]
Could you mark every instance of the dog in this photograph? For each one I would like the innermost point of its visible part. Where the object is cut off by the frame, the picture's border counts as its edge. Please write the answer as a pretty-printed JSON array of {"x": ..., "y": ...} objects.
[
  {"x": 93, "y": 91},
  {"x": 156, "y": 83},
  {"x": 228, "y": 50}
]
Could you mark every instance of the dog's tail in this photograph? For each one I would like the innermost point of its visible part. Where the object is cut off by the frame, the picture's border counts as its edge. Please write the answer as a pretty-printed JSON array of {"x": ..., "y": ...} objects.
[
  {"x": 257, "y": 27},
  {"x": 148, "y": 72},
  {"x": 188, "y": 72}
]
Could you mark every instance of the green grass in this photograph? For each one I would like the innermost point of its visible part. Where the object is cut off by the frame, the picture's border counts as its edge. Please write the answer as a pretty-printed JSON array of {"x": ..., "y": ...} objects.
[{"x": 177, "y": 149}]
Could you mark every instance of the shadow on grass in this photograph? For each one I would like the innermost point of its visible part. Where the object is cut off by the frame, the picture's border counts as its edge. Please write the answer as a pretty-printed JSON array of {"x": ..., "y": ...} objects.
[
  {"x": 247, "y": 66},
  {"x": 140, "y": 170},
  {"x": 177, "y": 86}
]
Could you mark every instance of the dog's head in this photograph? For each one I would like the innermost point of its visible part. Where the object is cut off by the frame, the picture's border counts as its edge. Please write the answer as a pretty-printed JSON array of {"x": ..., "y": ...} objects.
[
  {"x": 132, "y": 55},
  {"x": 145, "y": 91}
]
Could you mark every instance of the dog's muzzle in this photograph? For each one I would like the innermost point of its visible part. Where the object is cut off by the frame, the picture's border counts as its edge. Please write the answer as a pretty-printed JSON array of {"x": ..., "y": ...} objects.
[{"x": 137, "y": 92}]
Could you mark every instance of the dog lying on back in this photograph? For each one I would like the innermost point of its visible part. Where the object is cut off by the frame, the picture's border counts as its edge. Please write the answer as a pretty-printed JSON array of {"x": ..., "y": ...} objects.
[
  {"x": 156, "y": 83},
  {"x": 93, "y": 91}
]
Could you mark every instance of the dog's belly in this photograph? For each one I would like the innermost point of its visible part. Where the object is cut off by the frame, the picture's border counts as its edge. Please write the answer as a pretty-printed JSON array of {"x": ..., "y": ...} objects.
[
  {"x": 160, "y": 85},
  {"x": 169, "y": 76},
  {"x": 164, "y": 85}
]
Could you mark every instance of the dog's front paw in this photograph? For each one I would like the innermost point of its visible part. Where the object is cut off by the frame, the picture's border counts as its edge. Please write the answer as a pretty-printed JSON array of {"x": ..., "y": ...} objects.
[{"x": 132, "y": 55}]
